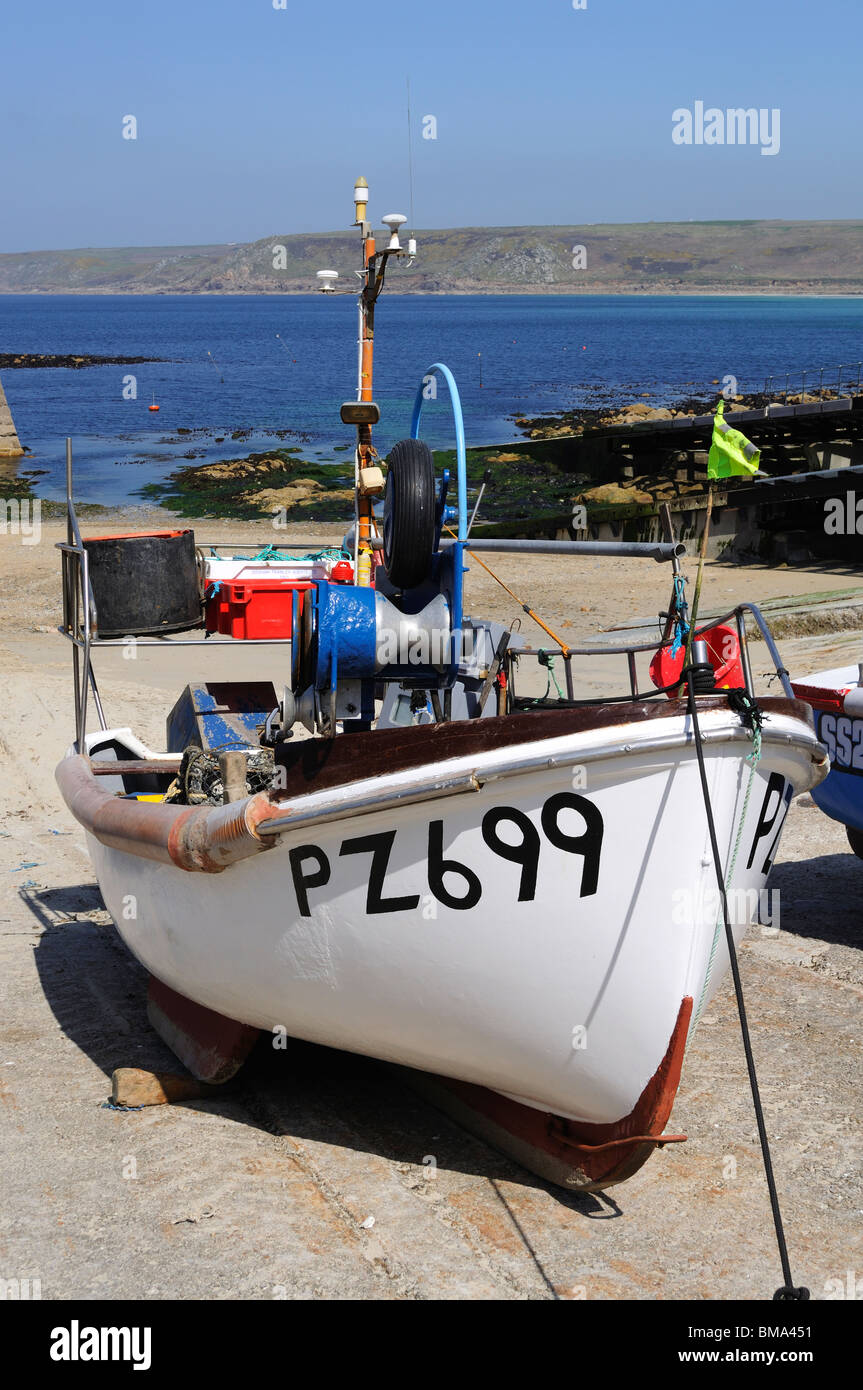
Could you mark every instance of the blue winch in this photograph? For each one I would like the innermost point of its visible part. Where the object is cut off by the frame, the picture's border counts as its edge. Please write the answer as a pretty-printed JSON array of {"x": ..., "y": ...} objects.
[{"x": 349, "y": 639}]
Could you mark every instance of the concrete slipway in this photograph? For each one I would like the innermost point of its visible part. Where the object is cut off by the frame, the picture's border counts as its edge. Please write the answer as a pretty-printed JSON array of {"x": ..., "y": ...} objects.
[{"x": 321, "y": 1175}]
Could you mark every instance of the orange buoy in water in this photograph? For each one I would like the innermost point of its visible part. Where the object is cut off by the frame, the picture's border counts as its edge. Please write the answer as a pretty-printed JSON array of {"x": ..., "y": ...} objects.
[{"x": 153, "y": 406}]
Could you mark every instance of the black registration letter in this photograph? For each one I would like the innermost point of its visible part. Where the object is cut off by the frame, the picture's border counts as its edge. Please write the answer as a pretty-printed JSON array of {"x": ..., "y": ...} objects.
[
  {"x": 303, "y": 882},
  {"x": 379, "y": 846},
  {"x": 775, "y": 783},
  {"x": 440, "y": 867}
]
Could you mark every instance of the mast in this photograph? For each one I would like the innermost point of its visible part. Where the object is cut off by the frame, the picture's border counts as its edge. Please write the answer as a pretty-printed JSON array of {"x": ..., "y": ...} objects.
[
  {"x": 364, "y": 413},
  {"x": 365, "y": 454}
]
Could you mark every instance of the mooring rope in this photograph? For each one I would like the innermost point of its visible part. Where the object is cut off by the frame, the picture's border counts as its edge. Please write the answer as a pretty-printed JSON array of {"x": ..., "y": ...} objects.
[
  {"x": 681, "y": 626},
  {"x": 546, "y": 659},
  {"x": 752, "y": 759},
  {"x": 788, "y": 1290}
]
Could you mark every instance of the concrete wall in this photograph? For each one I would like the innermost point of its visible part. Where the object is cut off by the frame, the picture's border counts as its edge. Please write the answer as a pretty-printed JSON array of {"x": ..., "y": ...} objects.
[
  {"x": 10, "y": 446},
  {"x": 773, "y": 527}
]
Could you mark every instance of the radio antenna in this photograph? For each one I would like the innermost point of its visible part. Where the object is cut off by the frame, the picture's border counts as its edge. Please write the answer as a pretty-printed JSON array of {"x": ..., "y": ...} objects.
[{"x": 410, "y": 161}]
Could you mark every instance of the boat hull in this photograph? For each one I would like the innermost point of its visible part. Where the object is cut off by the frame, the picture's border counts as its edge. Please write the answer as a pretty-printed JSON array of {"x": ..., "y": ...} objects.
[
  {"x": 537, "y": 937},
  {"x": 837, "y": 700}
]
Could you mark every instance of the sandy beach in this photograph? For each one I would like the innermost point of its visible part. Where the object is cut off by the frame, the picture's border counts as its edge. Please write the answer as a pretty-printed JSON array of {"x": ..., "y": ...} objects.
[{"x": 266, "y": 1192}]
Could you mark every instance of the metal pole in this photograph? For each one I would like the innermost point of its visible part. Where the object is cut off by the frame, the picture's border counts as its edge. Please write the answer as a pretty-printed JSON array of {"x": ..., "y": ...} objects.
[
  {"x": 76, "y": 596},
  {"x": 781, "y": 671},
  {"x": 76, "y": 679},
  {"x": 69, "y": 536},
  {"x": 485, "y": 479},
  {"x": 644, "y": 550},
  {"x": 633, "y": 674},
  {"x": 744, "y": 652},
  {"x": 365, "y": 453},
  {"x": 85, "y": 570}
]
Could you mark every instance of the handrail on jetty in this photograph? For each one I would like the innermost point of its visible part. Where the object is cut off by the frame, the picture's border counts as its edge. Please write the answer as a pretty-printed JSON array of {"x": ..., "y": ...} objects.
[{"x": 851, "y": 390}]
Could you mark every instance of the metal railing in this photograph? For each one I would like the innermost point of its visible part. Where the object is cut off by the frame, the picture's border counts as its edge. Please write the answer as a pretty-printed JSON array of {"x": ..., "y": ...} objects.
[
  {"x": 80, "y": 622},
  {"x": 840, "y": 381},
  {"x": 80, "y": 627},
  {"x": 634, "y": 649}
]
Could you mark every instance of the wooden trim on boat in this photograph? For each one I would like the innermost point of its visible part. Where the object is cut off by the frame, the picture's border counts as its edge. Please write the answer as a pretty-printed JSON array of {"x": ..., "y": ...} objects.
[
  {"x": 134, "y": 767},
  {"x": 319, "y": 764},
  {"x": 329, "y": 779}
]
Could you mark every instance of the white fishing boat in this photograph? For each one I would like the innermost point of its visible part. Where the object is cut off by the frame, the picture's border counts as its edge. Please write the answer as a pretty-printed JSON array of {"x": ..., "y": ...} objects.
[{"x": 514, "y": 897}]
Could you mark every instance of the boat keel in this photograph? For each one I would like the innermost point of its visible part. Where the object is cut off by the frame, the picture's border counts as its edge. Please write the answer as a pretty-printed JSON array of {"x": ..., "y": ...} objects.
[
  {"x": 579, "y": 1157},
  {"x": 212, "y": 1047}
]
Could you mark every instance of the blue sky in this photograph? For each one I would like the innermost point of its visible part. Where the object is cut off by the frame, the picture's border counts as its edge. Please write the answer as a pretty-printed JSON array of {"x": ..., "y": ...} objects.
[{"x": 254, "y": 121}]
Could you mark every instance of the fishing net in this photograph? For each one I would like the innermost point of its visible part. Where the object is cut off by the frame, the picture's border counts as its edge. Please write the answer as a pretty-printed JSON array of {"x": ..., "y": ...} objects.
[{"x": 199, "y": 780}]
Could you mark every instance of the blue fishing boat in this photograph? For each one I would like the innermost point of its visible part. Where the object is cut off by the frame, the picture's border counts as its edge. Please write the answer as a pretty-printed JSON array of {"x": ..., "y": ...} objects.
[{"x": 836, "y": 696}]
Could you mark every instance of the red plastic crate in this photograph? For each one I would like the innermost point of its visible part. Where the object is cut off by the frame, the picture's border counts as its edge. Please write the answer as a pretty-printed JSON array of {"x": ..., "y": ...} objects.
[{"x": 251, "y": 608}]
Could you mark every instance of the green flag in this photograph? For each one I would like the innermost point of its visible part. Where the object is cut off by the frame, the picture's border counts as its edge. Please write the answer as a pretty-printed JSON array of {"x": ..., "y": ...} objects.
[{"x": 731, "y": 453}]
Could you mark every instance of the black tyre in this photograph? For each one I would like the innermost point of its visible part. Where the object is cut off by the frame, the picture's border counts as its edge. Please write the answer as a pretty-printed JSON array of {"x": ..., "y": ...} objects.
[
  {"x": 409, "y": 513},
  {"x": 855, "y": 840}
]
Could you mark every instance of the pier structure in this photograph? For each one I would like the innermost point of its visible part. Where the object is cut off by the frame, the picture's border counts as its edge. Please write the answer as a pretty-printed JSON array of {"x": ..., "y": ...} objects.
[
  {"x": 10, "y": 445},
  {"x": 811, "y": 446}
]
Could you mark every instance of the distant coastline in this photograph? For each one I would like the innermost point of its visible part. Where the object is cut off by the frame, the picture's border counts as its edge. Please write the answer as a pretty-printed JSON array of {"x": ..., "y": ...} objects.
[
  {"x": 741, "y": 258},
  {"x": 496, "y": 291}
]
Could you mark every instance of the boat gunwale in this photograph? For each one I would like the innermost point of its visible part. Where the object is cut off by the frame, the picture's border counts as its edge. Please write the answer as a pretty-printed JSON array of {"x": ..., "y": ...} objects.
[{"x": 209, "y": 838}]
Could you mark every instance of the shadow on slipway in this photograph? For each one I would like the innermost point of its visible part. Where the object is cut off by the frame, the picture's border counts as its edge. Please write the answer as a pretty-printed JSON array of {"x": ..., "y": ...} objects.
[
  {"x": 820, "y": 898},
  {"x": 97, "y": 992}
]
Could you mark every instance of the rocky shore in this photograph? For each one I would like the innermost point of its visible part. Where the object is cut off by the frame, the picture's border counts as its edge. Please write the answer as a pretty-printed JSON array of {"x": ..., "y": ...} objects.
[
  {"x": 62, "y": 359},
  {"x": 577, "y": 422},
  {"x": 527, "y": 482}
]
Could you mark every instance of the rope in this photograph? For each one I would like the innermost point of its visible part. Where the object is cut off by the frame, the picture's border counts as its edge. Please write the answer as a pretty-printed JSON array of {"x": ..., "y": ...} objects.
[
  {"x": 525, "y": 607},
  {"x": 546, "y": 659},
  {"x": 681, "y": 626},
  {"x": 787, "y": 1292},
  {"x": 272, "y": 552},
  {"x": 752, "y": 759},
  {"x": 595, "y": 700}
]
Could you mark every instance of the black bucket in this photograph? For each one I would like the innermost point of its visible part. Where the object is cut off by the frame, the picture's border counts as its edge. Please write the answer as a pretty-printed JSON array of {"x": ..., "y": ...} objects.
[{"x": 145, "y": 583}]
